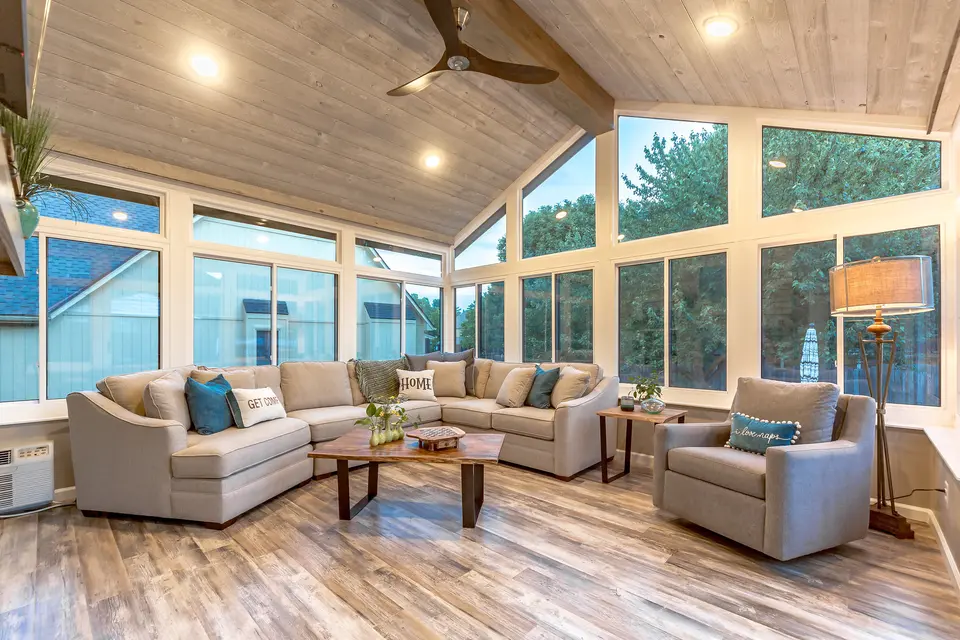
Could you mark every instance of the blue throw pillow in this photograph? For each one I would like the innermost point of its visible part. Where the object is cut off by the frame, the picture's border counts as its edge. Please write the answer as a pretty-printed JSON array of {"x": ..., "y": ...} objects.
[
  {"x": 756, "y": 435},
  {"x": 543, "y": 384},
  {"x": 208, "y": 406}
]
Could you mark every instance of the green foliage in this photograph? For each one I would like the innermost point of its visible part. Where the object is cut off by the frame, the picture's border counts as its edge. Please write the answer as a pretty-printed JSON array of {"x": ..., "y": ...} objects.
[
  {"x": 383, "y": 415},
  {"x": 641, "y": 319},
  {"x": 543, "y": 234},
  {"x": 647, "y": 387},
  {"x": 430, "y": 306},
  {"x": 467, "y": 327}
]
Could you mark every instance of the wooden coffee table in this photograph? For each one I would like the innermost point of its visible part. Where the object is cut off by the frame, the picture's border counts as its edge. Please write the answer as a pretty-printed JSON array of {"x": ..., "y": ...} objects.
[
  {"x": 630, "y": 416},
  {"x": 475, "y": 451}
]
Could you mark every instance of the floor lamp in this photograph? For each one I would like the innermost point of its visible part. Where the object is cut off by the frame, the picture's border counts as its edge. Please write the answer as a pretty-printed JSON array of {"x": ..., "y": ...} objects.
[{"x": 874, "y": 288}]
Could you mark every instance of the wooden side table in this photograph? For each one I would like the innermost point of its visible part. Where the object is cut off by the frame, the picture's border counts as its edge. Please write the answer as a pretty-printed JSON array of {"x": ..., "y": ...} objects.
[{"x": 617, "y": 413}]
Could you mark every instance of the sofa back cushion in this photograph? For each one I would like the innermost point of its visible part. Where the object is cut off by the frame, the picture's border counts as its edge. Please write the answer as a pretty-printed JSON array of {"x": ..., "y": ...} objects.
[
  {"x": 812, "y": 404},
  {"x": 498, "y": 373},
  {"x": 238, "y": 377},
  {"x": 449, "y": 378},
  {"x": 358, "y": 398},
  {"x": 310, "y": 385},
  {"x": 165, "y": 399},
  {"x": 127, "y": 390},
  {"x": 595, "y": 370}
]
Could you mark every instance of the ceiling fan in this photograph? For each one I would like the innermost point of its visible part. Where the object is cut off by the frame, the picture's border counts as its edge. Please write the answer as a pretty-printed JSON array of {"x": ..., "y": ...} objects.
[{"x": 458, "y": 56}]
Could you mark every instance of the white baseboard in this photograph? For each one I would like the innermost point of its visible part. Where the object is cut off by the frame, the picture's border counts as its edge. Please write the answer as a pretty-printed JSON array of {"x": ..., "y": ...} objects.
[{"x": 66, "y": 494}]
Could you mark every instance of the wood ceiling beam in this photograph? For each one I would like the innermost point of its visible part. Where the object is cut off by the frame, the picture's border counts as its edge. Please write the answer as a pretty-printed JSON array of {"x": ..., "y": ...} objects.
[
  {"x": 946, "y": 102},
  {"x": 575, "y": 93}
]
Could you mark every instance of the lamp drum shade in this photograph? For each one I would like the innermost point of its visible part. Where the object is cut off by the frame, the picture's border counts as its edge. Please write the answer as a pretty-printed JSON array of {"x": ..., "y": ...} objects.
[{"x": 896, "y": 286}]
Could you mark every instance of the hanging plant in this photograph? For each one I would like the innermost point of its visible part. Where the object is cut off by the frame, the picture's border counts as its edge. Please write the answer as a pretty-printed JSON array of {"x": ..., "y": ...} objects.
[{"x": 31, "y": 154}]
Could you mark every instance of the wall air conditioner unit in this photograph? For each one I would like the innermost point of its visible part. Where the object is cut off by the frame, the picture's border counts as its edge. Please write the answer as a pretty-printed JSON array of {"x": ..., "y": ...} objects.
[{"x": 26, "y": 476}]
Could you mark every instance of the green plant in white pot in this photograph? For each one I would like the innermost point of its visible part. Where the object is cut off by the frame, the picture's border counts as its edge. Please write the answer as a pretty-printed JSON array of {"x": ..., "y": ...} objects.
[
  {"x": 31, "y": 154},
  {"x": 386, "y": 421},
  {"x": 647, "y": 391}
]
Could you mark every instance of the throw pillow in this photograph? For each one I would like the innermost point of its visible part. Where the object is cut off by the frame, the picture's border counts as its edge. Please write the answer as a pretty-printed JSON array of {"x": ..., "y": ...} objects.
[
  {"x": 208, "y": 405},
  {"x": 542, "y": 387},
  {"x": 419, "y": 363},
  {"x": 572, "y": 384},
  {"x": 449, "y": 378},
  {"x": 165, "y": 399},
  {"x": 378, "y": 378},
  {"x": 812, "y": 404},
  {"x": 253, "y": 406},
  {"x": 238, "y": 378},
  {"x": 515, "y": 388},
  {"x": 471, "y": 374},
  {"x": 416, "y": 385},
  {"x": 756, "y": 435}
]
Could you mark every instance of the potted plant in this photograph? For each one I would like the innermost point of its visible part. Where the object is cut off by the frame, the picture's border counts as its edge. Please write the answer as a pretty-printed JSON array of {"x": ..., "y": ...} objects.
[
  {"x": 31, "y": 154},
  {"x": 647, "y": 391},
  {"x": 385, "y": 421}
]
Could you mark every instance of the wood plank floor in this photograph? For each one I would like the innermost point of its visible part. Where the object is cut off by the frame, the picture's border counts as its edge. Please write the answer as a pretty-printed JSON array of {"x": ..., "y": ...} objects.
[{"x": 547, "y": 560}]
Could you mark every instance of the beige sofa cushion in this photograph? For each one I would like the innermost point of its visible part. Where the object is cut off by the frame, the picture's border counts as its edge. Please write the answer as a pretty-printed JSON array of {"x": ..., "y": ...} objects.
[
  {"x": 525, "y": 421},
  {"x": 472, "y": 413},
  {"x": 445, "y": 400},
  {"x": 355, "y": 392},
  {"x": 481, "y": 375},
  {"x": 573, "y": 384},
  {"x": 738, "y": 471},
  {"x": 449, "y": 378},
  {"x": 127, "y": 390},
  {"x": 309, "y": 385},
  {"x": 516, "y": 386},
  {"x": 812, "y": 404},
  {"x": 328, "y": 423},
  {"x": 268, "y": 375},
  {"x": 238, "y": 378},
  {"x": 232, "y": 450},
  {"x": 164, "y": 399},
  {"x": 595, "y": 370},
  {"x": 423, "y": 410},
  {"x": 498, "y": 373}
]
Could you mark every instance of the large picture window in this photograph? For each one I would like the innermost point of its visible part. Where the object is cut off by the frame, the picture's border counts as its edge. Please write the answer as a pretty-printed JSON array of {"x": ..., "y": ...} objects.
[
  {"x": 538, "y": 319},
  {"x": 698, "y": 322},
  {"x": 488, "y": 245},
  {"x": 641, "y": 321},
  {"x": 378, "y": 319},
  {"x": 236, "y": 230},
  {"x": 100, "y": 205},
  {"x": 559, "y": 206},
  {"x": 673, "y": 176},
  {"x": 479, "y": 315},
  {"x": 574, "y": 301},
  {"x": 465, "y": 301},
  {"x": 379, "y": 255},
  {"x": 20, "y": 330},
  {"x": 306, "y": 315},
  {"x": 798, "y": 334},
  {"x": 805, "y": 170},
  {"x": 424, "y": 319},
  {"x": 915, "y": 379}
]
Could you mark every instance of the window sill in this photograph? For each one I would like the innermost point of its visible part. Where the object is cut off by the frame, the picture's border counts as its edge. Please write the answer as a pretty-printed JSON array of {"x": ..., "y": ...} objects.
[{"x": 946, "y": 442}]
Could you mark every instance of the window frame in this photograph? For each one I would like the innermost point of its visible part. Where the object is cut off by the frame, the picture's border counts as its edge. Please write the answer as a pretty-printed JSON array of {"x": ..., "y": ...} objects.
[
  {"x": 478, "y": 329},
  {"x": 554, "y": 335},
  {"x": 492, "y": 220}
]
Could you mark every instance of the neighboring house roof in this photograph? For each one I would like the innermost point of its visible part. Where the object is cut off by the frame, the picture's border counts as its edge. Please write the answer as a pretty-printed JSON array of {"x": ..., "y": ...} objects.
[
  {"x": 252, "y": 305},
  {"x": 382, "y": 310},
  {"x": 100, "y": 210}
]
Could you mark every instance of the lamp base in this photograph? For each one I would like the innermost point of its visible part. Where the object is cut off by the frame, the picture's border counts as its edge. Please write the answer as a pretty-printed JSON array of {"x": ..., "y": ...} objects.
[{"x": 883, "y": 519}]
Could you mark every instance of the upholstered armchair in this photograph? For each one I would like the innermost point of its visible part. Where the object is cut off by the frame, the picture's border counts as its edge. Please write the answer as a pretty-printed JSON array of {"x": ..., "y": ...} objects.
[{"x": 793, "y": 501}]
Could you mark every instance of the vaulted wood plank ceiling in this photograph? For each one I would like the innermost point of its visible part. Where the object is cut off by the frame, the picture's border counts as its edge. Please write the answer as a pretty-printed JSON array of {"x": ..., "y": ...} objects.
[
  {"x": 866, "y": 56},
  {"x": 300, "y": 107}
]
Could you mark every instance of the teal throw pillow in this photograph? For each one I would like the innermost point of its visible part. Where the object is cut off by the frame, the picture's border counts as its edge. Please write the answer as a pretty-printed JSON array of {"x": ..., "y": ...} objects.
[
  {"x": 543, "y": 384},
  {"x": 756, "y": 435},
  {"x": 208, "y": 406}
]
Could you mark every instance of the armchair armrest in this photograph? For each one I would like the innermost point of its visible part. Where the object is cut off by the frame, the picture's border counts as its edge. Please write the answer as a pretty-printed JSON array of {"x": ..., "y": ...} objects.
[
  {"x": 673, "y": 436},
  {"x": 121, "y": 460},
  {"x": 577, "y": 428}
]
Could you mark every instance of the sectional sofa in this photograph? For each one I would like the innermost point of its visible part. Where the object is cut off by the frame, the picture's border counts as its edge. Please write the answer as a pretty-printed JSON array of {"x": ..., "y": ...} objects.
[{"x": 125, "y": 462}]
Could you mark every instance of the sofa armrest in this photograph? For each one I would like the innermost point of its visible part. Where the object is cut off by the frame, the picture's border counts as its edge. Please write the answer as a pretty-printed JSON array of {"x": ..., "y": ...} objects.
[
  {"x": 673, "y": 436},
  {"x": 577, "y": 428},
  {"x": 121, "y": 461}
]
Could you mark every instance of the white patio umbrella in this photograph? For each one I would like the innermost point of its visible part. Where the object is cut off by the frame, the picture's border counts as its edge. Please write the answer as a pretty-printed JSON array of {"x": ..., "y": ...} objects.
[{"x": 810, "y": 357}]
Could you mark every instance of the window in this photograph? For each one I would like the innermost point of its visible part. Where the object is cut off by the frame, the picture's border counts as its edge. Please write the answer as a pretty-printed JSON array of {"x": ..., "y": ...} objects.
[
  {"x": 490, "y": 331},
  {"x": 698, "y": 322},
  {"x": 465, "y": 300},
  {"x": 574, "y": 300},
  {"x": 424, "y": 318},
  {"x": 641, "y": 320},
  {"x": 393, "y": 258},
  {"x": 103, "y": 313},
  {"x": 236, "y": 230},
  {"x": 20, "y": 330},
  {"x": 798, "y": 334},
  {"x": 915, "y": 378},
  {"x": 673, "y": 176},
  {"x": 378, "y": 319},
  {"x": 537, "y": 319},
  {"x": 306, "y": 315},
  {"x": 231, "y": 313},
  {"x": 812, "y": 169},
  {"x": 487, "y": 245},
  {"x": 559, "y": 206},
  {"x": 100, "y": 205}
]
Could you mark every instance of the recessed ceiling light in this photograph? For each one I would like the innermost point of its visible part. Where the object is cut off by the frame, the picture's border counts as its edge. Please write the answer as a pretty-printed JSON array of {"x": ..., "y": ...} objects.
[
  {"x": 263, "y": 239},
  {"x": 431, "y": 161},
  {"x": 120, "y": 215},
  {"x": 620, "y": 238},
  {"x": 720, "y": 26},
  {"x": 205, "y": 66},
  {"x": 778, "y": 164},
  {"x": 561, "y": 215}
]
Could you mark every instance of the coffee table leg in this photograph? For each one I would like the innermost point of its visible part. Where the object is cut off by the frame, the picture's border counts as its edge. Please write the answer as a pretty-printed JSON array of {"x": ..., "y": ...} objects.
[
  {"x": 347, "y": 512},
  {"x": 373, "y": 480},
  {"x": 471, "y": 490},
  {"x": 603, "y": 449}
]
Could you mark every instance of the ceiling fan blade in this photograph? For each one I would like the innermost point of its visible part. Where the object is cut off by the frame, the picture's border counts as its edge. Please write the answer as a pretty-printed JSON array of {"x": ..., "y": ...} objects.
[
  {"x": 420, "y": 83},
  {"x": 441, "y": 12},
  {"x": 522, "y": 73}
]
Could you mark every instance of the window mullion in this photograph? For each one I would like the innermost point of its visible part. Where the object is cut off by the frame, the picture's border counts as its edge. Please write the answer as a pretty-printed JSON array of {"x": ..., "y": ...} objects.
[
  {"x": 666, "y": 322},
  {"x": 42, "y": 317}
]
